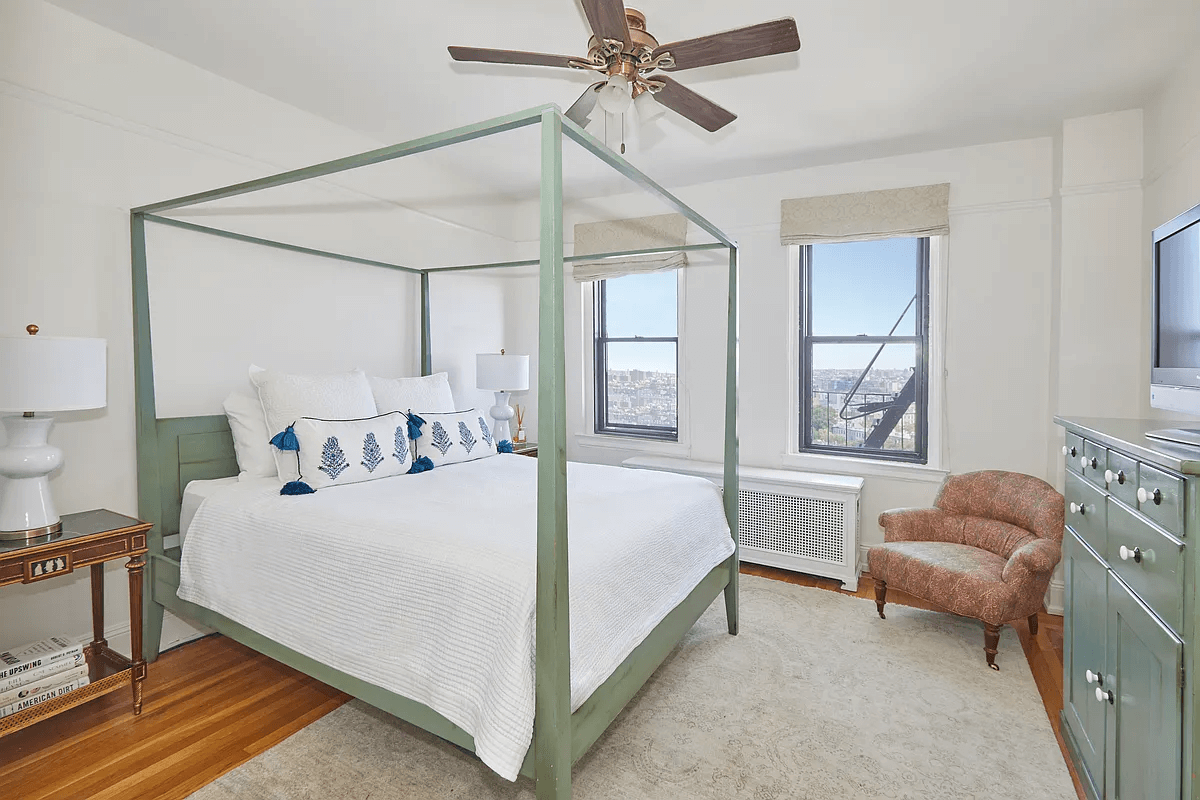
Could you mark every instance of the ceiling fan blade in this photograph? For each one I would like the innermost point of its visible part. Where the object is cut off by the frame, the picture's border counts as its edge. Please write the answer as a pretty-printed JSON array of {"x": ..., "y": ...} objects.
[
  {"x": 488, "y": 56},
  {"x": 763, "y": 39},
  {"x": 607, "y": 18},
  {"x": 697, "y": 108},
  {"x": 582, "y": 108}
]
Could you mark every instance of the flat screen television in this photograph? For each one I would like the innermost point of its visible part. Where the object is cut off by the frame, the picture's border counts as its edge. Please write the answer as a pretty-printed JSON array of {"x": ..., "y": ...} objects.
[{"x": 1175, "y": 321}]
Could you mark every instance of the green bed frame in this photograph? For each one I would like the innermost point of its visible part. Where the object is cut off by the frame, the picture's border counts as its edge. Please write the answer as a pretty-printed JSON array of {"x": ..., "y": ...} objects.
[{"x": 173, "y": 451}]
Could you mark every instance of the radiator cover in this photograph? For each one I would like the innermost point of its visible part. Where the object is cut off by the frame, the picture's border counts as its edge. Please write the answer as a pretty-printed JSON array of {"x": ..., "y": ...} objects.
[{"x": 802, "y": 521}]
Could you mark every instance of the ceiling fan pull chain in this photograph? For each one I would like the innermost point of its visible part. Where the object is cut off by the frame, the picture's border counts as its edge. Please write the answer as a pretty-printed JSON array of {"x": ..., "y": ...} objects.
[{"x": 622, "y": 134}]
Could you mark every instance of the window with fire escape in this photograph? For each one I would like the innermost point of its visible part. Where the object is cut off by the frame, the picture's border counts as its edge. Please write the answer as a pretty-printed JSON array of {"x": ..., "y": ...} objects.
[{"x": 864, "y": 349}]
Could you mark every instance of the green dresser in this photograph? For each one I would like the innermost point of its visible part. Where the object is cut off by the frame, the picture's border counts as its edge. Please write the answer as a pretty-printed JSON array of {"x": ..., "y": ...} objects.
[{"x": 1129, "y": 564}]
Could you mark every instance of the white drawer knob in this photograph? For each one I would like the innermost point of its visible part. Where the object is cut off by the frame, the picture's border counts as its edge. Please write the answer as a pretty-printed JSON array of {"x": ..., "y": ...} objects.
[
  {"x": 1083, "y": 462},
  {"x": 1077, "y": 508},
  {"x": 1135, "y": 554},
  {"x": 1118, "y": 476},
  {"x": 1144, "y": 496},
  {"x": 1091, "y": 676},
  {"x": 1103, "y": 696},
  {"x": 1066, "y": 450}
]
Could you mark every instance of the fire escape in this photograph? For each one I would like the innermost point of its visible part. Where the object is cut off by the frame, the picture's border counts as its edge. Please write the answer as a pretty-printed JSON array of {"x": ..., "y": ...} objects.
[{"x": 893, "y": 409}]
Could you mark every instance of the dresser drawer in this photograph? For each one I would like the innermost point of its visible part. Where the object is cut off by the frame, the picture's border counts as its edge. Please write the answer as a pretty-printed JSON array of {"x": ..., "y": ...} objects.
[
  {"x": 1122, "y": 477},
  {"x": 1160, "y": 497},
  {"x": 1072, "y": 452},
  {"x": 1093, "y": 463},
  {"x": 1149, "y": 561},
  {"x": 1086, "y": 512}
]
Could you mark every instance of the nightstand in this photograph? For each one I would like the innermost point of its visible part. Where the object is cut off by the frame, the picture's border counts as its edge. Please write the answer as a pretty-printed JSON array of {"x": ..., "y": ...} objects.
[
  {"x": 526, "y": 449},
  {"x": 88, "y": 539}
]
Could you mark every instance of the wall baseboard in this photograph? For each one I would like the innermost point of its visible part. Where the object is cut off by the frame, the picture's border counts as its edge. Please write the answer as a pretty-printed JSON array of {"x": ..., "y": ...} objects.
[
  {"x": 176, "y": 631},
  {"x": 1055, "y": 597}
]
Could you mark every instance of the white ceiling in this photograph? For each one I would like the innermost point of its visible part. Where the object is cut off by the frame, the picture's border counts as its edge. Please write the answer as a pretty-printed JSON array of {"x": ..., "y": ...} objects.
[{"x": 873, "y": 78}]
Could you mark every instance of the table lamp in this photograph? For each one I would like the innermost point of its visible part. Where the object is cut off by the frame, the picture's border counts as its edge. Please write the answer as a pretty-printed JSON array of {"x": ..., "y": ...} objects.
[
  {"x": 501, "y": 374},
  {"x": 40, "y": 373}
]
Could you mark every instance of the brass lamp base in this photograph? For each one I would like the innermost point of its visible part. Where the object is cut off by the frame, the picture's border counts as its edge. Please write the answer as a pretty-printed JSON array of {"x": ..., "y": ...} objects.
[{"x": 33, "y": 535}]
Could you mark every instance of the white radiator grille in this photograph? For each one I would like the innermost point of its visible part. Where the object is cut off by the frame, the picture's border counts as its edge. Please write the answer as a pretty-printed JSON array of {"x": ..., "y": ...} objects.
[{"x": 798, "y": 526}]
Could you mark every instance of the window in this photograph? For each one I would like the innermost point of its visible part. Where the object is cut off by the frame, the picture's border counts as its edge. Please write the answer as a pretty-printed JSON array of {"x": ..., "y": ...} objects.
[
  {"x": 637, "y": 355},
  {"x": 864, "y": 349}
]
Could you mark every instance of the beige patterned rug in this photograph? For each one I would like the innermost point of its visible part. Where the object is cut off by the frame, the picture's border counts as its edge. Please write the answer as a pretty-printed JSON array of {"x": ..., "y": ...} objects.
[{"x": 816, "y": 698}]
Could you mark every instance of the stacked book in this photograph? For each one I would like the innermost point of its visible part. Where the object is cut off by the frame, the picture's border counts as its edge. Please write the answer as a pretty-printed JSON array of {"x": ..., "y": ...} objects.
[{"x": 39, "y": 672}]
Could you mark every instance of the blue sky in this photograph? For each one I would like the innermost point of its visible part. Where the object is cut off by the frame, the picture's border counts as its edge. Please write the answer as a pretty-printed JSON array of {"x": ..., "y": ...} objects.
[{"x": 858, "y": 288}]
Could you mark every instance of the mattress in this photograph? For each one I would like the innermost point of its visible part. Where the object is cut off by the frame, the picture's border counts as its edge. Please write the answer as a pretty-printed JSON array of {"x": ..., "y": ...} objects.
[
  {"x": 424, "y": 584},
  {"x": 193, "y": 495}
]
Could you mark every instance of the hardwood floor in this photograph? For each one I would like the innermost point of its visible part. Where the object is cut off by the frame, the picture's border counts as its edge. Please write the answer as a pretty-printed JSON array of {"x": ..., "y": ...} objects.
[
  {"x": 213, "y": 704},
  {"x": 209, "y": 706}
]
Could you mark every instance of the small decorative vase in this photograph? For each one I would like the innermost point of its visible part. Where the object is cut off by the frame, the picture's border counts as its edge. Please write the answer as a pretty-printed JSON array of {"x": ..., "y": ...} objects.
[{"x": 520, "y": 437}]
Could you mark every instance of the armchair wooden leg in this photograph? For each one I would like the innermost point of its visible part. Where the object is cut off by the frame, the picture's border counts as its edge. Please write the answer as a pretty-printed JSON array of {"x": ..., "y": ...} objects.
[
  {"x": 1033, "y": 624},
  {"x": 991, "y": 641},
  {"x": 880, "y": 596}
]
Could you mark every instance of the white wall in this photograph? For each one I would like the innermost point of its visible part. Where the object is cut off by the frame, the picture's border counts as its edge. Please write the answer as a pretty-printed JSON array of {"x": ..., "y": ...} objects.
[
  {"x": 93, "y": 124},
  {"x": 1172, "y": 171},
  {"x": 999, "y": 317}
]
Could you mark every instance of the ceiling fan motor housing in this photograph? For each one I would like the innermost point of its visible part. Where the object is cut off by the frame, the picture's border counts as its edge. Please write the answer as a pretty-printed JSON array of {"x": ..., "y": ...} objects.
[{"x": 641, "y": 44}]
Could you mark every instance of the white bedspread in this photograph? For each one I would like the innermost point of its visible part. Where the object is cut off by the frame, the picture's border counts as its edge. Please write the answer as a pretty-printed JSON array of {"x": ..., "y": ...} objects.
[{"x": 424, "y": 584}]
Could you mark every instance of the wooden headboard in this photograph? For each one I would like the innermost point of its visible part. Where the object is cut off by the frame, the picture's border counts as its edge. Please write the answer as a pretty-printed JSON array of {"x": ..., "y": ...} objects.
[{"x": 189, "y": 449}]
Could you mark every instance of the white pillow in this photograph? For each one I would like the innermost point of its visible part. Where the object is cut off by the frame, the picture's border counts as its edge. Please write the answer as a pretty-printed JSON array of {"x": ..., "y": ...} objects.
[
  {"x": 286, "y": 398},
  {"x": 430, "y": 393},
  {"x": 251, "y": 442},
  {"x": 337, "y": 452},
  {"x": 455, "y": 437}
]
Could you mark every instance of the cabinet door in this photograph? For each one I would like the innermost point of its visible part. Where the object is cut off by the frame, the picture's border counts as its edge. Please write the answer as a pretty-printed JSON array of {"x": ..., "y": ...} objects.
[
  {"x": 1145, "y": 725},
  {"x": 1085, "y": 629}
]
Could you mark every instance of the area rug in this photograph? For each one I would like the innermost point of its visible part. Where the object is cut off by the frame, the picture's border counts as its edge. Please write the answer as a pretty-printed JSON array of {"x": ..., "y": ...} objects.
[{"x": 817, "y": 697}]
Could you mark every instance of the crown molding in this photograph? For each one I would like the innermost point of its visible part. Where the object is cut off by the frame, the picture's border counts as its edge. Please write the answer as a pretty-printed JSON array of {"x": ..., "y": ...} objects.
[{"x": 1110, "y": 187}]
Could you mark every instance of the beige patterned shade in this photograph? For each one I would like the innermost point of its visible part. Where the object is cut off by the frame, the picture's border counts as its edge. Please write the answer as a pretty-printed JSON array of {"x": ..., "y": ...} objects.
[
  {"x": 642, "y": 233},
  {"x": 861, "y": 216}
]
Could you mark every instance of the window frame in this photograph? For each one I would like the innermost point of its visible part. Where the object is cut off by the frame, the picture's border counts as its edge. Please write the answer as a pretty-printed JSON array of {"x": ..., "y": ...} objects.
[
  {"x": 923, "y": 347},
  {"x": 600, "y": 341}
]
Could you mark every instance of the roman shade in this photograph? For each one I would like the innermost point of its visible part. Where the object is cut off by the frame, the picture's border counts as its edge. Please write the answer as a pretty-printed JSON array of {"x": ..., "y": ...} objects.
[
  {"x": 862, "y": 216},
  {"x": 642, "y": 233}
]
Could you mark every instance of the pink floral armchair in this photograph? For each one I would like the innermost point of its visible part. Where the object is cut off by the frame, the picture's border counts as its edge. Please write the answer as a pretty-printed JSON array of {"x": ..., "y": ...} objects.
[{"x": 986, "y": 550}]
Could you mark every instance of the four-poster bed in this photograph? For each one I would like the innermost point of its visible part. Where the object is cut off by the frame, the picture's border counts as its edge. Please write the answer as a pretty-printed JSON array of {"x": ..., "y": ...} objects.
[{"x": 174, "y": 451}]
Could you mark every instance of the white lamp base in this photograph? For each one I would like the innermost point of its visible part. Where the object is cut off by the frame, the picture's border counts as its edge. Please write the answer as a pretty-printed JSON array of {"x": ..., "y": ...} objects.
[
  {"x": 26, "y": 507},
  {"x": 501, "y": 412}
]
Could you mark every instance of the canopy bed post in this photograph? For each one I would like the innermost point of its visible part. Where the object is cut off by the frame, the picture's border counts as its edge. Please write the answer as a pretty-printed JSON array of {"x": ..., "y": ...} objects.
[
  {"x": 730, "y": 482},
  {"x": 146, "y": 425},
  {"x": 552, "y": 643},
  {"x": 426, "y": 352}
]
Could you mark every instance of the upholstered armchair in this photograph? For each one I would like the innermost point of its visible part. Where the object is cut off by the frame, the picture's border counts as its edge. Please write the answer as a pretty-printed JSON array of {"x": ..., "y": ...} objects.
[{"x": 986, "y": 550}]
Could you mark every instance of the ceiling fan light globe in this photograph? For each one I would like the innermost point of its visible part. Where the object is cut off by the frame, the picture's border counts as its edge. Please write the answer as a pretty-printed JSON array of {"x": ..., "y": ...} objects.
[
  {"x": 648, "y": 109},
  {"x": 613, "y": 96}
]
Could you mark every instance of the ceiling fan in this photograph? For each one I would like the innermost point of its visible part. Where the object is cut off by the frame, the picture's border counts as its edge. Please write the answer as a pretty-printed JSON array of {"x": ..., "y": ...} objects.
[{"x": 633, "y": 62}]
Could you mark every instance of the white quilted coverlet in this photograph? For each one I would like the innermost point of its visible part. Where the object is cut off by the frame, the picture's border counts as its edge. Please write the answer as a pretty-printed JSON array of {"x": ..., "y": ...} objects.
[{"x": 424, "y": 584}]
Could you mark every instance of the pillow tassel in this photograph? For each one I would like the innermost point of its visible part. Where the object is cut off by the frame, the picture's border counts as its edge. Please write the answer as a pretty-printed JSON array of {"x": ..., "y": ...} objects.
[
  {"x": 422, "y": 464},
  {"x": 297, "y": 487},
  {"x": 414, "y": 426},
  {"x": 286, "y": 440},
  {"x": 504, "y": 446}
]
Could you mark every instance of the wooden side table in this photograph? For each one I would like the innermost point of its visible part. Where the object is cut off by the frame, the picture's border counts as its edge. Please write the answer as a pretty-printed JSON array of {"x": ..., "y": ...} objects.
[
  {"x": 526, "y": 449},
  {"x": 90, "y": 539}
]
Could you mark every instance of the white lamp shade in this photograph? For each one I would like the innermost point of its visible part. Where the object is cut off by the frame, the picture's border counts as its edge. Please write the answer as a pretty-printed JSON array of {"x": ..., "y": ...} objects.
[
  {"x": 498, "y": 372},
  {"x": 613, "y": 96},
  {"x": 52, "y": 373},
  {"x": 647, "y": 107}
]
